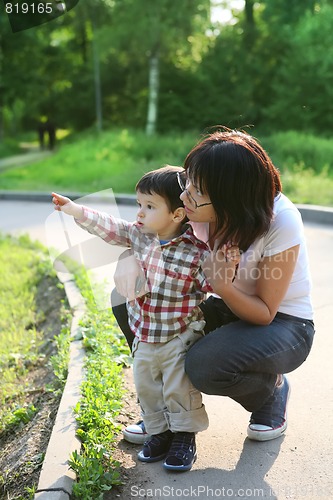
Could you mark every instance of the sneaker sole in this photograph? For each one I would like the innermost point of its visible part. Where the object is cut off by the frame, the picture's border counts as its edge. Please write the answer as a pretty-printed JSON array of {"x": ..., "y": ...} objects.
[
  {"x": 266, "y": 435},
  {"x": 134, "y": 438},
  {"x": 180, "y": 468},
  {"x": 142, "y": 458}
]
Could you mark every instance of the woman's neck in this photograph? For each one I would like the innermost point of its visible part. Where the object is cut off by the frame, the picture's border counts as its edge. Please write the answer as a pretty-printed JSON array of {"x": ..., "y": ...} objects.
[{"x": 211, "y": 231}]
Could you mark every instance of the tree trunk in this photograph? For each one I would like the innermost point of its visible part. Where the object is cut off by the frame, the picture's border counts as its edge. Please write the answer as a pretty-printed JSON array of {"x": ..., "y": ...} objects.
[
  {"x": 154, "y": 80},
  {"x": 97, "y": 77},
  {"x": 249, "y": 27},
  {"x": 249, "y": 13}
]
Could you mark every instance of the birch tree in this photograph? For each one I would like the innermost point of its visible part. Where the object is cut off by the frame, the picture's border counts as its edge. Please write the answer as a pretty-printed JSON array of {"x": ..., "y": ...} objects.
[{"x": 158, "y": 29}]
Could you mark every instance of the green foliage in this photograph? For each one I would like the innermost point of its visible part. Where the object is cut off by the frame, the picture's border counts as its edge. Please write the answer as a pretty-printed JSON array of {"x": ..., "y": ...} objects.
[
  {"x": 24, "y": 415},
  {"x": 225, "y": 96},
  {"x": 304, "y": 186},
  {"x": 8, "y": 148},
  {"x": 115, "y": 158},
  {"x": 59, "y": 361},
  {"x": 306, "y": 166},
  {"x": 291, "y": 148},
  {"x": 303, "y": 86},
  {"x": 23, "y": 264},
  {"x": 101, "y": 400},
  {"x": 93, "y": 478},
  {"x": 270, "y": 68},
  {"x": 286, "y": 12},
  {"x": 19, "y": 274}
]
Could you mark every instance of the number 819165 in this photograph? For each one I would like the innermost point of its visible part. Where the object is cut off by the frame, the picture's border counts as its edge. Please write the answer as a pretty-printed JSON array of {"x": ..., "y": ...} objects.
[{"x": 29, "y": 8}]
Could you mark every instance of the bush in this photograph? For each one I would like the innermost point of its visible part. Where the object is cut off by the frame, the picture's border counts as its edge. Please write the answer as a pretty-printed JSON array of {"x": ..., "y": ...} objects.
[{"x": 290, "y": 150}]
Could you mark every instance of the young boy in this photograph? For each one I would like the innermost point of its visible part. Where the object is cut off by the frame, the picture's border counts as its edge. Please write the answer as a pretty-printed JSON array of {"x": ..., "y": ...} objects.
[{"x": 167, "y": 319}]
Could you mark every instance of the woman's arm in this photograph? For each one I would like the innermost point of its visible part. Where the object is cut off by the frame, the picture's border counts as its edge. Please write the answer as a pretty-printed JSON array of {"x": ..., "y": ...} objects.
[
  {"x": 129, "y": 277},
  {"x": 275, "y": 274}
]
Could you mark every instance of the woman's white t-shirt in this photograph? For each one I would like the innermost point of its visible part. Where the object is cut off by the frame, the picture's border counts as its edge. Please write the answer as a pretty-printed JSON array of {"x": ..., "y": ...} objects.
[{"x": 285, "y": 231}]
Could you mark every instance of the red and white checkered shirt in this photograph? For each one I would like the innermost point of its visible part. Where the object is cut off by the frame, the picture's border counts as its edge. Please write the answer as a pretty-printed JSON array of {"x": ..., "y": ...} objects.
[{"x": 175, "y": 281}]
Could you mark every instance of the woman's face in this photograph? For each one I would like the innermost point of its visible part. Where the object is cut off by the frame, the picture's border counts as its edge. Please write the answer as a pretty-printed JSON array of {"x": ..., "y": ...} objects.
[{"x": 198, "y": 206}]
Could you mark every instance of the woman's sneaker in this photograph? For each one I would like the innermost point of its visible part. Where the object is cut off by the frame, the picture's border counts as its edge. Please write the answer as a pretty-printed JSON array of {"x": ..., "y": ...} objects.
[
  {"x": 270, "y": 421},
  {"x": 182, "y": 453},
  {"x": 156, "y": 447},
  {"x": 136, "y": 433}
]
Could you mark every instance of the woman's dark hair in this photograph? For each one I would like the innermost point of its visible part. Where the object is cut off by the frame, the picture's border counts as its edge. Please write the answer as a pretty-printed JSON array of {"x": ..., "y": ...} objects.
[
  {"x": 163, "y": 182},
  {"x": 233, "y": 169}
]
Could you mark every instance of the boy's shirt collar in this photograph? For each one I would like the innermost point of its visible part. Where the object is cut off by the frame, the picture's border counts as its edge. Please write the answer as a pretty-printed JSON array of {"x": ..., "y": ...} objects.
[{"x": 187, "y": 234}]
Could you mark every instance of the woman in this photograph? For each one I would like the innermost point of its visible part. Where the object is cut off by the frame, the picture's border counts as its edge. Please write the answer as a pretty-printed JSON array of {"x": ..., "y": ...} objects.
[{"x": 260, "y": 317}]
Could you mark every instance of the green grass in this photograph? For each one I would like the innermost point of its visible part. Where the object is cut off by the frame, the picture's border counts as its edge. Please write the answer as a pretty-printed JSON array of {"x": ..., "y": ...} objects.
[
  {"x": 101, "y": 400},
  {"x": 116, "y": 159},
  {"x": 8, "y": 148},
  {"x": 112, "y": 159},
  {"x": 306, "y": 165},
  {"x": 23, "y": 265}
]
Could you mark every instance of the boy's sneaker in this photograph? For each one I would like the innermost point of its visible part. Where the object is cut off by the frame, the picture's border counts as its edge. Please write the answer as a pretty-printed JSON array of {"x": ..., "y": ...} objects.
[
  {"x": 156, "y": 447},
  {"x": 270, "y": 421},
  {"x": 182, "y": 453},
  {"x": 136, "y": 433}
]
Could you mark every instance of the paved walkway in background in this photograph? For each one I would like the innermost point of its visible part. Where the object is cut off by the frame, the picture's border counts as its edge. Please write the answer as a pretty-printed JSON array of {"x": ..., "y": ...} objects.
[
  {"x": 296, "y": 466},
  {"x": 23, "y": 159}
]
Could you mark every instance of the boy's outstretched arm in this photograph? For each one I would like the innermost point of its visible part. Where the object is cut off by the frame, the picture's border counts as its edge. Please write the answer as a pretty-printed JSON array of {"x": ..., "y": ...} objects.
[{"x": 66, "y": 205}]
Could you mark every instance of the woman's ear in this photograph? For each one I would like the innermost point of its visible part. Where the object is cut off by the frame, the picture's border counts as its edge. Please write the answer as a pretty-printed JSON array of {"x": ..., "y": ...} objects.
[{"x": 179, "y": 214}]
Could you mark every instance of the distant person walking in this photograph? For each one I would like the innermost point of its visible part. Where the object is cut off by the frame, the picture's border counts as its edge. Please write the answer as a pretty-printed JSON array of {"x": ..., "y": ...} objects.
[{"x": 48, "y": 129}]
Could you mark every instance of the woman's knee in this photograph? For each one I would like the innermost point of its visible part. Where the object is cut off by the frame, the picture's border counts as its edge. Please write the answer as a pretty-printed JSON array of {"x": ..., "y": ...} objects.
[
  {"x": 212, "y": 360},
  {"x": 196, "y": 368}
]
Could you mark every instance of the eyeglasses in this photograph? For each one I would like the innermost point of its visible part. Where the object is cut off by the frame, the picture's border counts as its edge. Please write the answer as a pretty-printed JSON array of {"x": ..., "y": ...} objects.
[{"x": 185, "y": 190}]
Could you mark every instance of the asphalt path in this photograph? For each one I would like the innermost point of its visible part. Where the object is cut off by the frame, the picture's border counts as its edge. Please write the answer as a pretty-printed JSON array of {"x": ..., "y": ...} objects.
[{"x": 296, "y": 466}]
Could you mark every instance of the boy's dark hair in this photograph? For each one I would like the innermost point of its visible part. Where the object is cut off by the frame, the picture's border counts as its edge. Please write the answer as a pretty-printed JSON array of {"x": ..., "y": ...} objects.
[{"x": 163, "y": 182}]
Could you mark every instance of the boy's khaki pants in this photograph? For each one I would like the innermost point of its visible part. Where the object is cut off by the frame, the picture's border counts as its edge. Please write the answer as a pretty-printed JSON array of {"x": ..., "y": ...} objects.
[{"x": 167, "y": 397}]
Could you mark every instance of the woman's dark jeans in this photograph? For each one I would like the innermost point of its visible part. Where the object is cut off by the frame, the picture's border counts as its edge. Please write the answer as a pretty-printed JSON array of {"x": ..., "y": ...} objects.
[
  {"x": 120, "y": 313},
  {"x": 239, "y": 359}
]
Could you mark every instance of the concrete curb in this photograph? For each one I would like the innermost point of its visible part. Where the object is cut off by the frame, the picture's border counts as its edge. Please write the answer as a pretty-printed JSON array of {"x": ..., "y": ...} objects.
[
  {"x": 316, "y": 213},
  {"x": 56, "y": 479},
  {"x": 310, "y": 213}
]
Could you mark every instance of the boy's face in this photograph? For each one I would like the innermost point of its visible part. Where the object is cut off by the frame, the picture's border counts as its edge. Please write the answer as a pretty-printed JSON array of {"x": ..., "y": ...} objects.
[{"x": 154, "y": 216}]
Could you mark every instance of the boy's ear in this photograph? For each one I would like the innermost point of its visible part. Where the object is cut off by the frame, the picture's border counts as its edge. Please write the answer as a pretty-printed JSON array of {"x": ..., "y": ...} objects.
[{"x": 179, "y": 214}]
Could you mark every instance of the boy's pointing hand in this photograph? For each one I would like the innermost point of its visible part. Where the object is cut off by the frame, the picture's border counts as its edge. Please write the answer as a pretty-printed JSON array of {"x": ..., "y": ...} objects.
[{"x": 66, "y": 205}]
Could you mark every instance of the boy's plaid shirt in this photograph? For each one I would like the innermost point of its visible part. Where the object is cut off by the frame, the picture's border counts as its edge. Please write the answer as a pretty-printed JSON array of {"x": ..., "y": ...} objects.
[{"x": 175, "y": 282}]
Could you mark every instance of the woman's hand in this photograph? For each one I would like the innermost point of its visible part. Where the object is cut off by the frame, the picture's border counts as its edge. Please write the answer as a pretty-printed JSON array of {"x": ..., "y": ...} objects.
[
  {"x": 66, "y": 205},
  {"x": 129, "y": 277},
  {"x": 220, "y": 267}
]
